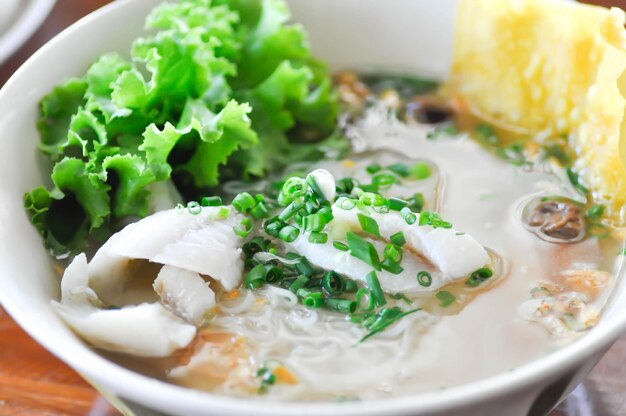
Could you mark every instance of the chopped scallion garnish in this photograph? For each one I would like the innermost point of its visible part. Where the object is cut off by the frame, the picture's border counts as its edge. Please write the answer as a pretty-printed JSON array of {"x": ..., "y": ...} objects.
[
  {"x": 211, "y": 201},
  {"x": 298, "y": 283},
  {"x": 384, "y": 180},
  {"x": 341, "y": 246},
  {"x": 433, "y": 219},
  {"x": 194, "y": 208},
  {"x": 341, "y": 305},
  {"x": 408, "y": 216},
  {"x": 364, "y": 292},
  {"x": 368, "y": 224},
  {"x": 333, "y": 283},
  {"x": 244, "y": 228},
  {"x": 384, "y": 318},
  {"x": 396, "y": 204},
  {"x": 479, "y": 276},
  {"x": 393, "y": 253},
  {"x": 373, "y": 285},
  {"x": 373, "y": 168},
  {"x": 398, "y": 239},
  {"x": 363, "y": 250},
  {"x": 446, "y": 298},
  {"x": 243, "y": 202},
  {"x": 259, "y": 211},
  {"x": 424, "y": 279},
  {"x": 420, "y": 170},
  {"x": 255, "y": 278},
  {"x": 400, "y": 169},
  {"x": 318, "y": 238},
  {"x": 288, "y": 233},
  {"x": 595, "y": 212},
  {"x": 391, "y": 266}
]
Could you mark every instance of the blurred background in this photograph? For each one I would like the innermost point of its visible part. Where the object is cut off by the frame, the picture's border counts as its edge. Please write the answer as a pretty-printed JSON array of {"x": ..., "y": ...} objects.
[{"x": 32, "y": 382}]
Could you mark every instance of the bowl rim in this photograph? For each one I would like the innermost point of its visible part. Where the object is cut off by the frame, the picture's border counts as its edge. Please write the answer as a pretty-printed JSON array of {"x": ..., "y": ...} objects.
[{"x": 162, "y": 395}]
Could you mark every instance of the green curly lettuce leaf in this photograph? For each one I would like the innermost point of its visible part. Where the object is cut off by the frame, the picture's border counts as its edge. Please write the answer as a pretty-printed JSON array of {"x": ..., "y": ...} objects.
[
  {"x": 216, "y": 90},
  {"x": 202, "y": 142},
  {"x": 78, "y": 204},
  {"x": 56, "y": 111}
]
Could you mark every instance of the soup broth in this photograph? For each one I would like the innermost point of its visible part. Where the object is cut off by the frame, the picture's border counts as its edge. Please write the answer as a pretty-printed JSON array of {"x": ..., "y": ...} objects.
[{"x": 541, "y": 295}]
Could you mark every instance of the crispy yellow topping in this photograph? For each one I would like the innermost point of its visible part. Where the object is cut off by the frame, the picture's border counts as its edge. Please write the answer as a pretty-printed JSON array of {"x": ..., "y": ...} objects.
[{"x": 550, "y": 67}]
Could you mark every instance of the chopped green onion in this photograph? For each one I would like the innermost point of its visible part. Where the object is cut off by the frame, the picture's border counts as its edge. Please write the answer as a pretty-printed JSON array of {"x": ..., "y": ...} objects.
[
  {"x": 211, "y": 201},
  {"x": 393, "y": 253},
  {"x": 595, "y": 212},
  {"x": 351, "y": 286},
  {"x": 371, "y": 188},
  {"x": 368, "y": 224},
  {"x": 446, "y": 298},
  {"x": 255, "y": 278},
  {"x": 314, "y": 222},
  {"x": 340, "y": 246},
  {"x": 344, "y": 185},
  {"x": 288, "y": 233},
  {"x": 400, "y": 169},
  {"x": 298, "y": 283},
  {"x": 401, "y": 296},
  {"x": 259, "y": 211},
  {"x": 416, "y": 202},
  {"x": 372, "y": 199},
  {"x": 293, "y": 188},
  {"x": 273, "y": 226},
  {"x": 243, "y": 202},
  {"x": 273, "y": 274},
  {"x": 180, "y": 208},
  {"x": 433, "y": 219},
  {"x": 346, "y": 203},
  {"x": 384, "y": 180},
  {"x": 318, "y": 238},
  {"x": 424, "y": 279},
  {"x": 341, "y": 305},
  {"x": 420, "y": 170},
  {"x": 315, "y": 187},
  {"x": 363, "y": 250},
  {"x": 373, "y": 285},
  {"x": 377, "y": 323},
  {"x": 391, "y": 266},
  {"x": 303, "y": 266},
  {"x": 223, "y": 213},
  {"x": 574, "y": 179},
  {"x": 255, "y": 245},
  {"x": 370, "y": 300},
  {"x": 396, "y": 204},
  {"x": 373, "y": 168},
  {"x": 398, "y": 239},
  {"x": 311, "y": 299},
  {"x": 243, "y": 228},
  {"x": 194, "y": 208},
  {"x": 479, "y": 276},
  {"x": 327, "y": 213},
  {"x": 333, "y": 283},
  {"x": 291, "y": 210},
  {"x": 408, "y": 216}
]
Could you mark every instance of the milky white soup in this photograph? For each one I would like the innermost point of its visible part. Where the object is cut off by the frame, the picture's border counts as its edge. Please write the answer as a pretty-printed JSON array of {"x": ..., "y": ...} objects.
[{"x": 547, "y": 288}]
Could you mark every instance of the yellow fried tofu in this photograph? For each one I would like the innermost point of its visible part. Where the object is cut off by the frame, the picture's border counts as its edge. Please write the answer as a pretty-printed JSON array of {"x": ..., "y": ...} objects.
[{"x": 550, "y": 67}]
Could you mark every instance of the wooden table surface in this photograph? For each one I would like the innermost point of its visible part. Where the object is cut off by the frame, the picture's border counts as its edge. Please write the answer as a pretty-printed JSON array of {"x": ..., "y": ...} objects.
[{"x": 33, "y": 382}]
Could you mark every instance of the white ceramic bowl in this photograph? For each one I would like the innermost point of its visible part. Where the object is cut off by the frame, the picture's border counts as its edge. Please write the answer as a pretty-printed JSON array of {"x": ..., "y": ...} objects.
[{"x": 407, "y": 35}]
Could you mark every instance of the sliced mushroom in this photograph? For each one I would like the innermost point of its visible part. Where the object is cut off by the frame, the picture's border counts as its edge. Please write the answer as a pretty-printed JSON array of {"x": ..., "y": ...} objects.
[
  {"x": 428, "y": 109},
  {"x": 557, "y": 221}
]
